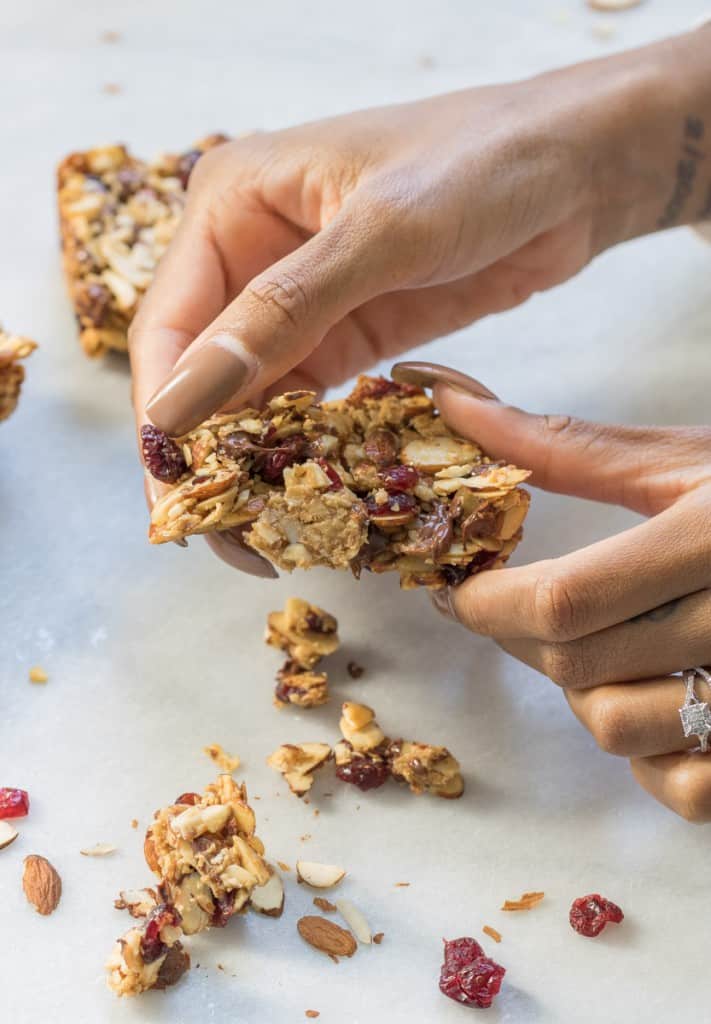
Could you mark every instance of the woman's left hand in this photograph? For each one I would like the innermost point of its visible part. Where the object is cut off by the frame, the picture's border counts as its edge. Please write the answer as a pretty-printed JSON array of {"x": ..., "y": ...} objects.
[{"x": 608, "y": 623}]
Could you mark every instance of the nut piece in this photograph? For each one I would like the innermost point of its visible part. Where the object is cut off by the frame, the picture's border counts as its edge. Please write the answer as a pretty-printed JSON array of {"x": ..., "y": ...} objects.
[
  {"x": 149, "y": 955},
  {"x": 319, "y": 876},
  {"x": 98, "y": 850},
  {"x": 138, "y": 902},
  {"x": 326, "y": 936},
  {"x": 268, "y": 899},
  {"x": 42, "y": 884},
  {"x": 359, "y": 727},
  {"x": 38, "y": 675},
  {"x": 426, "y": 769},
  {"x": 222, "y": 759},
  {"x": 8, "y": 834},
  {"x": 325, "y": 905},
  {"x": 298, "y": 762},
  {"x": 355, "y": 920},
  {"x": 307, "y": 633},
  {"x": 13, "y": 348}
]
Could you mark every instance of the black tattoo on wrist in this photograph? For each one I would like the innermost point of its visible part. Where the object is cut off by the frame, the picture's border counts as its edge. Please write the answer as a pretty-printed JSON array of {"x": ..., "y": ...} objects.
[
  {"x": 686, "y": 172},
  {"x": 657, "y": 614}
]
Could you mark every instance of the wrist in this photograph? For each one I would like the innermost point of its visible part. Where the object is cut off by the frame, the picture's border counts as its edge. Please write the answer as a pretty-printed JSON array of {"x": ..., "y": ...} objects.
[{"x": 649, "y": 151}]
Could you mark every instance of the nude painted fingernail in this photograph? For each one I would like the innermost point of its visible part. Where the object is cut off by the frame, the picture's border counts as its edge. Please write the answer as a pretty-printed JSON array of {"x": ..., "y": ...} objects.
[
  {"x": 442, "y": 599},
  {"x": 426, "y": 375},
  {"x": 201, "y": 383},
  {"x": 232, "y": 550}
]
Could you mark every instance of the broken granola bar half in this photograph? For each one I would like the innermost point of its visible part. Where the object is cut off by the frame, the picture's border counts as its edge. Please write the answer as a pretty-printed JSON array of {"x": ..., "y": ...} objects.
[
  {"x": 117, "y": 216},
  {"x": 206, "y": 856},
  {"x": 375, "y": 481},
  {"x": 12, "y": 349}
]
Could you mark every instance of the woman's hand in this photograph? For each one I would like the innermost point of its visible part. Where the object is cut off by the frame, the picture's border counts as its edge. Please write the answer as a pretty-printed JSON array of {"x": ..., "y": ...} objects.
[
  {"x": 609, "y": 622},
  {"x": 307, "y": 255}
]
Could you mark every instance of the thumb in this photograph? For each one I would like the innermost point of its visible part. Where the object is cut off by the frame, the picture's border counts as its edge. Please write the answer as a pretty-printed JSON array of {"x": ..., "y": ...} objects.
[
  {"x": 278, "y": 319},
  {"x": 567, "y": 455}
]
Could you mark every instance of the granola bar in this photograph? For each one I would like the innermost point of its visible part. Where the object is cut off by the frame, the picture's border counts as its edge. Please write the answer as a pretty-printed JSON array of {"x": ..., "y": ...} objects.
[
  {"x": 117, "y": 216},
  {"x": 206, "y": 856},
  {"x": 373, "y": 481},
  {"x": 12, "y": 349}
]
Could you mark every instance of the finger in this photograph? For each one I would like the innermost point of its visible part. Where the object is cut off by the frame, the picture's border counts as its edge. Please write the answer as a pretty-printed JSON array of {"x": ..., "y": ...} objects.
[
  {"x": 640, "y": 720},
  {"x": 596, "y": 587},
  {"x": 614, "y": 464},
  {"x": 280, "y": 317},
  {"x": 682, "y": 782},
  {"x": 636, "y": 650},
  {"x": 229, "y": 546}
]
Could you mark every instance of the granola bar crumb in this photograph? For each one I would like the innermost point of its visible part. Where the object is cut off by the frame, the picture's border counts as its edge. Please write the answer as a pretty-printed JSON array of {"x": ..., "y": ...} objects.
[
  {"x": 402, "y": 885},
  {"x": 38, "y": 675},
  {"x": 283, "y": 866},
  {"x": 227, "y": 762},
  {"x": 526, "y": 902},
  {"x": 492, "y": 933},
  {"x": 13, "y": 348},
  {"x": 306, "y": 632},
  {"x": 355, "y": 671},
  {"x": 134, "y": 822},
  {"x": 312, "y": 1014},
  {"x": 323, "y": 904},
  {"x": 378, "y": 938}
]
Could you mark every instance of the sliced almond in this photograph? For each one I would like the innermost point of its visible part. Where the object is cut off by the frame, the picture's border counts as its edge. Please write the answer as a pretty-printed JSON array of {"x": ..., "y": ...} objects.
[
  {"x": 355, "y": 920},
  {"x": 319, "y": 876},
  {"x": 326, "y": 936},
  {"x": 98, "y": 850},
  {"x": 325, "y": 905},
  {"x": 138, "y": 902},
  {"x": 42, "y": 884},
  {"x": 227, "y": 762},
  {"x": 613, "y": 5},
  {"x": 8, "y": 834},
  {"x": 268, "y": 899}
]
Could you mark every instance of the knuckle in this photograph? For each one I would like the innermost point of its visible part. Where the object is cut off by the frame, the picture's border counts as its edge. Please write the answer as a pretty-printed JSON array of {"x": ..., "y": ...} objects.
[
  {"x": 609, "y": 724},
  {"x": 281, "y": 297},
  {"x": 555, "y": 608}
]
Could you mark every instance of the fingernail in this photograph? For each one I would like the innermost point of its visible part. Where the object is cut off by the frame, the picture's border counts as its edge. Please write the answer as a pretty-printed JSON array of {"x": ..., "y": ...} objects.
[
  {"x": 426, "y": 375},
  {"x": 201, "y": 384},
  {"x": 231, "y": 549},
  {"x": 442, "y": 599}
]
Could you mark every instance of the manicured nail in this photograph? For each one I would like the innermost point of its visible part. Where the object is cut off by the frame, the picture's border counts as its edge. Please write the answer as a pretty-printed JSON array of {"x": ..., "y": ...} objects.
[
  {"x": 426, "y": 375},
  {"x": 229, "y": 546},
  {"x": 201, "y": 383},
  {"x": 442, "y": 599}
]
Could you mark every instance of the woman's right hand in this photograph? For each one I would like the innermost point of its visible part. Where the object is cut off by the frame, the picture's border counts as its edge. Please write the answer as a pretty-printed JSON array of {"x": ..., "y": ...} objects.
[{"x": 305, "y": 256}]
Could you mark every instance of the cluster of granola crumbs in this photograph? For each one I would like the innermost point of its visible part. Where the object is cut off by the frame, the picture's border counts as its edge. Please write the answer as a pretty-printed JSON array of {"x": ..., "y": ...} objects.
[
  {"x": 307, "y": 634},
  {"x": 13, "y": 349}
]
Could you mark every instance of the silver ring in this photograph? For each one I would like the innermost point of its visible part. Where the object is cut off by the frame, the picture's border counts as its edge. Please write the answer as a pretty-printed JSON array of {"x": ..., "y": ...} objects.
[{"x": 696, "y": 714}]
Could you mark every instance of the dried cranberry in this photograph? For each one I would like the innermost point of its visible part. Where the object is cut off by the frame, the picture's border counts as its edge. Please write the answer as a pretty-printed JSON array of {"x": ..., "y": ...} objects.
[
  {"x": 14, "y": 803},
  {"x": 364, "y": 772},
  {"x": 163, "y": 458},
  {"x": 468, "y": 976},
  {"x": 379, "y": 387},
  {"x": 188, "y": 798},
  {"x": 396, "y": 504},
  {"x": 589, "y": 914},
  {"x": 336, "y": 482},
  {"x": 399, "y": 478},
  {"x": 224, "y": 909},
  {"x": 275, "y": 461},
  {"x": 186, "y": 163},
  {"x": 152, "y": 946}
]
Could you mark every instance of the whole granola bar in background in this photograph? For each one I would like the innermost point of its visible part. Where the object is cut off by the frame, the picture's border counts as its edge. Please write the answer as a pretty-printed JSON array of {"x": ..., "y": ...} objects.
[
  {"x": 117, "y": 215},
  {"x": 13, "y": 348},
  {"x": 373, "y": 481}
]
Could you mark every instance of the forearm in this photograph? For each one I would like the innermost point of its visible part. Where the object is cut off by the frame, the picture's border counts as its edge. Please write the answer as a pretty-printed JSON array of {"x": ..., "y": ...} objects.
[{"x": 645, "y": 132}]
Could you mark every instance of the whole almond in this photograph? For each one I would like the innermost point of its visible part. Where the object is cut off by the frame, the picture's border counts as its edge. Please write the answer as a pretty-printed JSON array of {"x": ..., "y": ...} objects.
[
  {"x": 326, "y": 936},
  {"x": 42, "y": 884}
]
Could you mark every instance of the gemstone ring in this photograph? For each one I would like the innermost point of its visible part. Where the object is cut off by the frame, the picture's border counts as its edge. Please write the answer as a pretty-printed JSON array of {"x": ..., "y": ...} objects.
[{"x": 696, "y": 714}]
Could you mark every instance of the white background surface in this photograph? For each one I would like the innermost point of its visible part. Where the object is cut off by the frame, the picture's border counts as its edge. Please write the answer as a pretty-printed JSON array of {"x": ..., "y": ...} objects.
[{"x": 153, "y": 653}]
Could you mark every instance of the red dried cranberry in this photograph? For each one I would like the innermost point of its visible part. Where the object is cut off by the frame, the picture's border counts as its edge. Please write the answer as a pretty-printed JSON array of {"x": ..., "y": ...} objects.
[
  {"x": 14, "y": 803},
  {"x": 224, "y": 909},
  {"x": 468, "y": 976},
  {"x": 336, "y": 482},
  {"x": 188, "y": 798},
  {"x": 589, "y": 914},
  {"x": 152, "y": 946},
  {"x": 379, "y": 387},
  {"x": 364, "y": 773},
  {"x": 163, "y": 458},
  {"x": 396, "y": 503},
  {"x": 276, "y": 460},
  {"x": 399, "y": 478}
]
